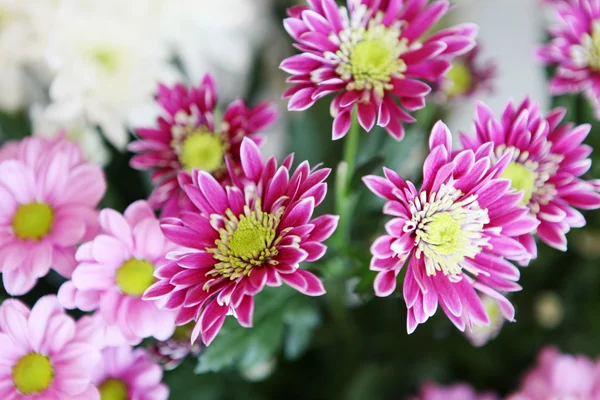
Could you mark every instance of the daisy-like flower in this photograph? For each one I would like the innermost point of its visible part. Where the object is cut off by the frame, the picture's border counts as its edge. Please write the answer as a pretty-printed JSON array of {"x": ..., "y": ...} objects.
[
  {"x": 458, "y": 391},
  {"x": 547, "y": 160},
  {"x": 171, "y": 352},
  {"x": 187, "y": 136},
  {"x": 560, "y": 376},
  {"x": 244, "y": 237},
  {"x": 455, "y": 233},
  {"x": 575, "y": 49},
  {"x": 480, "y": 335},
  {"x": 127, "y": 373},
  {"x": 48, "y": 195},
  {"x": 114, "y": 270},
  {"x": 45, "y": 354},
  {"x": 374, "y": 55}
]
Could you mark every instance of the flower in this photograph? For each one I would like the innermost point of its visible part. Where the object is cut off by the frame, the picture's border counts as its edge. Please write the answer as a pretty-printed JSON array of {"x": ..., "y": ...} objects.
[
  {"x": 244, "y": 237},
  {"x": 171, "y": 352},
  {"x": 480, "y": 335},
  {"x": 575, "y": 50},
  {"x": 188, "y": 137},
  {"x": 45, "y": 353},
  {"x": 458, "y": 391},
  {"x": 547, "y": 161},
  {"x": 560, "y": 376},
  {"x": 373, "y": 55},
  {"x": 456, "y": 233},
  {"x": 48, "y": 196},
  {"x": 127, "y": 373},
  {"x": 114, "y": 270}
]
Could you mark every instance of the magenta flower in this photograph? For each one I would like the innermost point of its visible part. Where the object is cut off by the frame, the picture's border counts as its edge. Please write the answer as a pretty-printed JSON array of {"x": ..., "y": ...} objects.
[
  {"x": 48, "y": 195},
  {"x": 458, "y": 391},
  {"x": 243, "y": 238},
  {"x": 127, "y": 373},
  {"x": 560, "y": 376},
  {"x": 547, "y": 161},
  {"x": 575, "y": 49},
  {"x": 45, "y": 354},
  {"x": 114, "y": 270},
  {"x": 188, "y": 137},
  {"x": 372, "y": 54},
  {"x": 456, "y": 233}
]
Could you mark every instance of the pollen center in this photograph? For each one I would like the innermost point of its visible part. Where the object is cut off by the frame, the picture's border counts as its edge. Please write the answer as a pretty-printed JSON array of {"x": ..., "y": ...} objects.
[
  {"x": 442, "y": 233},
  {"x": 135, "y": 276},
  {"x": 521, "y": 178},
  {"x": 32, "y": 221},
  {"x": 203, "y": 150},
  {"x": 460, "y": 79},
  {"x": 113, "y": 389},
  {"x": 32, "y": 374},
  {"x": 250, "y": 239}
]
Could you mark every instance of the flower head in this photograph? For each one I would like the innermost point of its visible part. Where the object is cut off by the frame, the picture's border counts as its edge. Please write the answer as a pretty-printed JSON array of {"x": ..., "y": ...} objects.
[
  {"x": 243, "y": 237},
  {"x": 127, "y": 373},
  {"x": 547, "y": 161},
  {"x": 45, "y": 353},
  {"x": 480, "y": 335},
  {"x": 458, "y": 391},
  {"x": 48, "y": 196},
  {"x": 114, "y": 270},
  {"x": 188, "y": 137},
  {"x": 373, "y": 54},
  {"x": 171, "y": 352},
  {"x": 455, "y": 233}
]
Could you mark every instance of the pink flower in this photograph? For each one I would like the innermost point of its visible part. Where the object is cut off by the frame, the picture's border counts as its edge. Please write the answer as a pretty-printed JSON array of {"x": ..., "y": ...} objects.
[
  {"x": 45, "y": 354},
  {"x": 481, "y": 335},
  {"x": 187, "y": 137},
  {"x": 456, "y": 233},
  {"x": 243, "y": 238},
  {"x": 547, "y": 161},
  {"x": 560, "y": 376},
  {"x": 48, "y": 196},
  {"x": 171, "y": 352},
  {"x": 575, "y": 49},
  {"x": 127, "y": 373},
  {"x": 372, "y": 54},
  {"x": 114, "y": 270},
  {"x": 458, "y": 391}
]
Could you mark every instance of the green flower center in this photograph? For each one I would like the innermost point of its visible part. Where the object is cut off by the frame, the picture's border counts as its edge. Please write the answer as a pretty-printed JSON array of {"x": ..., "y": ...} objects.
[
  {"x": 460, "y": 79},
  {"x": 250, "y": 239},
  {"x": 443, "y": 233},
  {"x": 113, "y": 389},
  {"x": 203, "y": 150},
  {"x": 591, "y": 47},
  {"x": 135, "y": 276},
  {"x": 32, "y": 374},
  {"x": 106, "y": 59},
  {"x": 32, "y": 221},
  {"x": 521, "y": 178}
]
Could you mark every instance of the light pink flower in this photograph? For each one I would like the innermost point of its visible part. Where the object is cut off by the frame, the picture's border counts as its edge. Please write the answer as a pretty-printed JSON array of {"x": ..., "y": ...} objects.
[
  {"x": 244, "y": 237},
  {"x": 48, "y": 195},
  {"x": 127, "y": 373},
  {"x": 372, "y": 54},
  {"x": 560, "y": 376},
  {"x": 114, "y": 270},
  {"x": 171, "y": 352},
  {"x": 455, "y": 233},
  {"x": 458, "y": 391},
  {"x": 547, "y": 160},
  {"x": 188, "y": 136},
  {"x": 45, "y": 354}
]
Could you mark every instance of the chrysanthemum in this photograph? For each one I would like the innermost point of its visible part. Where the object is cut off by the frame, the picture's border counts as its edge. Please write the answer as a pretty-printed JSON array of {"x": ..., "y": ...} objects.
[
  {"x": 575, "y": 49},
  {"x": 48, "y": 196},
  {"x": 171, "y": 352},
  {"x": 374, "y": 55},
  {"x": 560, "y": 376},
  {"x": 114, "y": 270},
  {"x": 188, "y": 137},
  {"x": 458, "y": 391},
  {"x": 45, "y": 354},
  {"x": 455, "y": 233},
  {"x": 243, "y": 238},
  {"x": 127, "y": 373},
  {"x": 547, "y": 161},
  {"x": 480, "y": 335}
]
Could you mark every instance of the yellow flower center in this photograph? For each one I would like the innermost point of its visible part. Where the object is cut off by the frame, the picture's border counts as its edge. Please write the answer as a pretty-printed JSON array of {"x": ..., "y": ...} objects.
[
  {"x": 460, "y": 80},
  {"x": 32, "y": 221},
  {"x": 591, "y": 47},
  {"x": 203, "y": 150},
  {"x": 113, "y": 389},
  {"x": 135, "y": 276},
  {"x": 32, "y": 374},
  {"x": 442, "y": 233},
  {"x": 521, "y": 178}
]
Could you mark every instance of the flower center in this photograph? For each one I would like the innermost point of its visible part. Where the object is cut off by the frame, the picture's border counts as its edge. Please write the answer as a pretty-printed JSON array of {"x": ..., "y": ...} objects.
[
  {"x": 135, "y": 276},
  {"x": 32, "y": 221},
  {"x": 521, "y": 178},
  {"x": 591, "y": 48},
  {"x": 442, "y": 233},
  {"x": 203, "y": 150},
  {"x": 113, "y": 389},
  {"x": 32, "y": 374},
  {"x": 106, "y": 59},
  {"x": 460, "y": 80}
]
